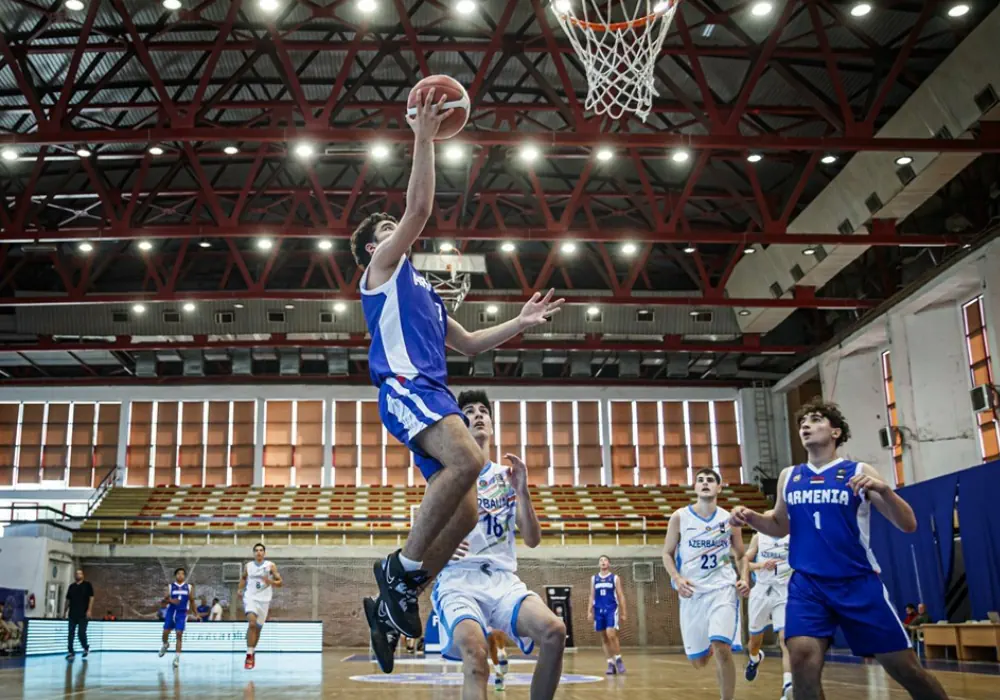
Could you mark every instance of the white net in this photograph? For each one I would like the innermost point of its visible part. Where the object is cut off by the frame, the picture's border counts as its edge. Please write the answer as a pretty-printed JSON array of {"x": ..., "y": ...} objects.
[{"x": 618, "y": 42}]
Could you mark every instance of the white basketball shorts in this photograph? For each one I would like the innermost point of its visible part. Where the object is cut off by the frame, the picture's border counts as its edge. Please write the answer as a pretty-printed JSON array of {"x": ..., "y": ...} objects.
[
  {"x": 767, "y": 608},
  {"x": 257, "y": 606},
  {"x": 493, "y": 600},
  {"x": 713, "y": 616}
]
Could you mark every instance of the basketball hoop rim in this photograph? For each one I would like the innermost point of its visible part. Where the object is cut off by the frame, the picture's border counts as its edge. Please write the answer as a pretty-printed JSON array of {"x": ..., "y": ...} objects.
[{"x": 618, "y": 26}]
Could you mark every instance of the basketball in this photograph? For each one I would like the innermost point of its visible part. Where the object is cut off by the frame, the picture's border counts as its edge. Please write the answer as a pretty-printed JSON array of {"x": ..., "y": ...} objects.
[{"x": 458, "y": 100}]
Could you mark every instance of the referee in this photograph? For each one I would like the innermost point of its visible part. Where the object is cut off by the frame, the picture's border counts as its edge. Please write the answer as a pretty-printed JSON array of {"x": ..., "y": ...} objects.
[{"x": 79, "y": 604}]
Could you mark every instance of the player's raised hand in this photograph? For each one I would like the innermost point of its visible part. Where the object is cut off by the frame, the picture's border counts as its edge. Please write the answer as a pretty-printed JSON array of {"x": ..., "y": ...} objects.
[
  {"x": 539, "y": 309},
  {"x": 461, "y": 552},
  {"x": 740, "y": 516},
  {"x": 743, "y": 588},
  {"x": 518, "y": 471},
  {"x": 866, "y": 482},
  {"x": 684, "y": 587},
  {"x": 430, "y": 114}
]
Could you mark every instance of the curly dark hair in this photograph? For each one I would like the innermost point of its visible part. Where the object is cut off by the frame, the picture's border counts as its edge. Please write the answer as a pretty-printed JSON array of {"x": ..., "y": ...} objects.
[
  {"x": 708, "y": 470},
  {"x": 470, "y": 396},
  {"x": 831, "y": 412},
  {"x": 365, "y": 234}
]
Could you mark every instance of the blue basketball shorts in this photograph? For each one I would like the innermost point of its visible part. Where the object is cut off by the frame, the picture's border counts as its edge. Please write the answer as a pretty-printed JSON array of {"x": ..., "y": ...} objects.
[
  {"x": 605, "y": 618},
  {"x": 859, "y": 605},
  {"x": 408, "y": 408},
  {"x": 175, "y": 619}
]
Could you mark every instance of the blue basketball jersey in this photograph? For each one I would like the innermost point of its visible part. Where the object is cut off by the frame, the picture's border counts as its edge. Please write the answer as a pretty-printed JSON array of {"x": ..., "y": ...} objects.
[
  {"x": 180, "y": 592},
  {"x": 605, "y": 594},
  {"x": 408, "y": 323},
  {"x": 829, "y": 525}
]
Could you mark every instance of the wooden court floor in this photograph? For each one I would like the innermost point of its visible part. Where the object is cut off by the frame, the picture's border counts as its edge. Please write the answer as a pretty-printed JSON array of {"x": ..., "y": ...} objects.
[{"x": 343, "y": 674}]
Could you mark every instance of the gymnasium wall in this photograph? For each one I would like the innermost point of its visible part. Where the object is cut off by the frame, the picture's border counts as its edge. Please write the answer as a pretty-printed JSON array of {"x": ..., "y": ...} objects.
[
  {"x": 331, "y": 590},
  {"x": 913, "y": 368},
  {"x": 307, "y": 435}
]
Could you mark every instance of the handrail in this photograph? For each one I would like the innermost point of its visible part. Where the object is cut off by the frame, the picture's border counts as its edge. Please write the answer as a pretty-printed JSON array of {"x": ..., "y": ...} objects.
[{"x": 102, "y": 489}]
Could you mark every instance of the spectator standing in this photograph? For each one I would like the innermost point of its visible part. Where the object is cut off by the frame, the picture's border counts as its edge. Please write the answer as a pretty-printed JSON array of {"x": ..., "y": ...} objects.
[
  {"x": 216, "y": 614},
  {"x": 79, "y": 605}
]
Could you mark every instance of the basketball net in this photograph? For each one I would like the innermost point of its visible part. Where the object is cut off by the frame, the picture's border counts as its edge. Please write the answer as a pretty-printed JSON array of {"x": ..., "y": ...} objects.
[
  {"x": 618, "y": 42},
  {"x": 453, "y": 285}
]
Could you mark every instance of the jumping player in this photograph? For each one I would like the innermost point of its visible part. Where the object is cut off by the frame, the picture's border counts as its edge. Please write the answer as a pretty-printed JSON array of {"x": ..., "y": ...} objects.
[
  {"x": 825, "y": 505},
  {"x": 702, "y": 555},
  {"x": 410, "y": 330},
  {"x": 607, "y": 610},
  {"x": 179, "y": 593},
  {"x": 480, "y": 589},
  {"x": 260, "y": 578},
  {"x": 767, "y": 559}
]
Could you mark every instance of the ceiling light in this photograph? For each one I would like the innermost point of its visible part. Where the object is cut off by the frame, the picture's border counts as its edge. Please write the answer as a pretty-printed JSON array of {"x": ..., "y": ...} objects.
[
  {"x": 172, "y": 4},
  {"x": 959, "y": 10},
  {"x": 73, "y": 5},
  {"x": 189, "y": 306},
  {"x": 966, "y": 246},
  {"x": 83, "y": 153},
  {"x": 138, "y": 309},
  {"x": 454, "y": 153},
  {"x": 562, "y": 6},
  {"x": 446, "y": 247},
  {"x": 861, "y": 9},
  {"x": 465, "y": 7},
  {"x": 829, "y": 159},
  {"x": 605, "y": 154},
  {"x": 265, "y": 243},
  {"x": 324, "y": 244},
  {"x": 367, "y": 5},
  {"x": 204, "y": 244},
  {"x": 744, "y": 312},
  {"x": 508, "y": 247},
  {"x": 289, "y": 306},
  {"x": 237, "y": 306},
  {"x": 749, "y": 250},
  {"x": 230, "y": 150},
  {"x": 629, "y": 248},
  {"x": 593, "y": 311},
  {"x": 269, "y": 5},
  {"x": 529, "y": 154},
  {"x": 680, "y": 156},
  {"x": 761, "y": 9},
  {"x": 85, "y": 247},
  {"x": 568, "y": 247},
  {"x": 156, "y": 150},
  {"x": 755, "y": 158},
  {"x": 304, "y": 150},
  {"x": 809, "y": 251},
  {"x": 340, "y": 307},
  {"x": 689, "y": 249},
  {"x": 145, "y": 245},
  {"x": 380, "y": 151},
  {"x": 904, "y": 160},
  {"x": 492, "y": 309},
  {"x": 8, "y": 154},
  {"x": 661, "y": 7}
]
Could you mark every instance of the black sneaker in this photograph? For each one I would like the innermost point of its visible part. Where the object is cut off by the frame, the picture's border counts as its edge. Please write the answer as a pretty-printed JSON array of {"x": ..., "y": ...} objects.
[
  {"x": 398, "y": 593},
  {"x": 70, "y": 657},
  {"x": 86, "y": 653},
  {"x": 384, "y": 637}
]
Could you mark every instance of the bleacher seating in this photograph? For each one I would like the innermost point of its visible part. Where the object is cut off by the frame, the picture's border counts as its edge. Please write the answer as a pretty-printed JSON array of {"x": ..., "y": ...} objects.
[{"x": 372, "y": 514}]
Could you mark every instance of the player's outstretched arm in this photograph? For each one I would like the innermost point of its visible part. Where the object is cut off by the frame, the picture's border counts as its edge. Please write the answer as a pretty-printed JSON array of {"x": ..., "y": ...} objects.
[
  {"x": 884, "y": 498},
  {"x": 527, "y": 518},
  {"x": 537, "y": 310},
  {"x": 420, "y": 190},
  {"x": 773, "y": 522}
]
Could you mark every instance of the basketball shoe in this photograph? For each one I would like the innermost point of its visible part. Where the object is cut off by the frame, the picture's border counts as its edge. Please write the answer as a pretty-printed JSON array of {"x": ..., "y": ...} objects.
[
  {"x": 398, "y": 591},
  {"x": 384, "y": 636}
]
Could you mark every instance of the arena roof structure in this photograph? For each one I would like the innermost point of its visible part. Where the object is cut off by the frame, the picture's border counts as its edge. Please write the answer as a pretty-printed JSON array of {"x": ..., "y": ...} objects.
[{"x": 178, "y": 185}]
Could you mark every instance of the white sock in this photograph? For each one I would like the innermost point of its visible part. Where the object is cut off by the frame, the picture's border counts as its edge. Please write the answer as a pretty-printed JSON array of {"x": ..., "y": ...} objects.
[
  {"x": 250, "y": 650},
  {"x": 757, "y": 659},
  {"x": 611, "y": 661},
  {"x": 409, "y": 564},
  {"x": 786, "y": 679},
  {"x": 618, "y": 657}
]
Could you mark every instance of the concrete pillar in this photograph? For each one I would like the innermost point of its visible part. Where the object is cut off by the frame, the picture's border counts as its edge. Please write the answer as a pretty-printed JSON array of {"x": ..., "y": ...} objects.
[
  {"x": 121, "y": 456},
  {"x": 258, "y": 443},
  {"x": 606, "y": 442},
  {"x": 328, "y": 428}
]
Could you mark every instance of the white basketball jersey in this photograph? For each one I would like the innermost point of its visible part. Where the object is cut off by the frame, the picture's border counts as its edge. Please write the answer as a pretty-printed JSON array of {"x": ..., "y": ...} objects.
[
  {"x": 258, "y": 586},
  {"x": 704, "y": 555},
  {"x": 491, "y": 542},
  {"x": 777, "y": 549}
]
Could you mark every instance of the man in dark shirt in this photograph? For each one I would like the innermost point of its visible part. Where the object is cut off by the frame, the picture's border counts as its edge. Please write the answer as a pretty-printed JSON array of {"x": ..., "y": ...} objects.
[
  {"x": 203, "y": 611},
  {"x": 79, "y": 602}
]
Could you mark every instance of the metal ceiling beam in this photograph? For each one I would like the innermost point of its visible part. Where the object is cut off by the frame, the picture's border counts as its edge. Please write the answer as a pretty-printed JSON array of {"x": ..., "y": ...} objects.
[{"x": 986, "y": 142}]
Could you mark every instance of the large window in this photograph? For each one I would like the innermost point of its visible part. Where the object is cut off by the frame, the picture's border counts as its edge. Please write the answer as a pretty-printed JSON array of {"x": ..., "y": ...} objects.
[
  {"x": 891, "y": 419},
  {"x": 665, "y": 442},
  {"x": 981, "y": 372}
]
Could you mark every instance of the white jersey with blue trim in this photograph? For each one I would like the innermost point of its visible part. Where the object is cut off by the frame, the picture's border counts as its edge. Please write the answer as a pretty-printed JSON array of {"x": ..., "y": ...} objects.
[
  {"x": 258, "y": 581},
  {"x": 776, "y": 549},
  {"x": 491, "y": 542},
  {"x": 408, "y": 324},
  {"x": 704, "y": 555}
]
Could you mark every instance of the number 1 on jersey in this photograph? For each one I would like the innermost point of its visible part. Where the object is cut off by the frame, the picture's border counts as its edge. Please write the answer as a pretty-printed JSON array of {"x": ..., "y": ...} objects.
[{"x": 816, "y": 520}]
